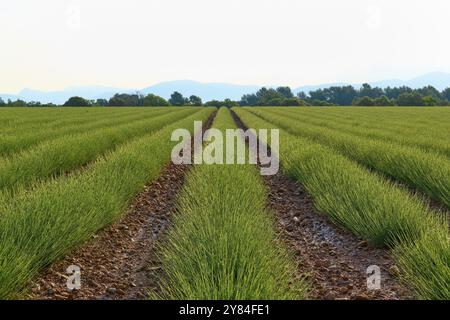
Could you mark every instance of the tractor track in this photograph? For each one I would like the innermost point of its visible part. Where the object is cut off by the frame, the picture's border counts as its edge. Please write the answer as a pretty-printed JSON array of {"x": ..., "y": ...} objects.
[
  {"x": 120, "y": 262},
  {"x": 334, "y": 260}
]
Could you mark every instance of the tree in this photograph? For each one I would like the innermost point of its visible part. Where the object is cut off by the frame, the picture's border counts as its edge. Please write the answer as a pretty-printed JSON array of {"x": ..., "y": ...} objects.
[
  {"x": 117, "y": 100},
  {"x": 446, "y": 94},
  {"x": 318, "y": 95},
  {"x": 249, "y": 100},
  {"x": 285, "y": 102},
  {"x": 364, "y": 101},
  {"x": 122, "y": 100},
  {"x": 275, "y": 102},
  {"x": 2, "y": 103},
  {"x": 302, "y": 95},
  {"x": 394, "y": 93},
  {"x": 101, "y": 102},
  {"x": 285, "y": 92},
  {"x": 341, "y": 95},
  {"x": 367, "y": 91},
  {"x": 384, "y": 101},
  {"x": 77, "y": 102},
  {"x": 177, "y": 99},
  {"x": 49, "y": 105},
  {"x": 293, "y": 102},
  {"x": 214, "y": 103},
  {"x": 430, "y": 91},
  {"x": 154, "y": 101},
  {"x": 34, "y": 104},
  {"x": 265, "y": 95},
  {"x": 17, "y": 103},
  {"x": 230, "y": 103},
  {"x": 410, "y": 99},
  {"x": 335, "y": 95},
  {"x": 195, "y": 101},
  {"x": 226, "y": 103},
  {"x": 430, "y": 101},
  {"x": 320, "y": 103}
]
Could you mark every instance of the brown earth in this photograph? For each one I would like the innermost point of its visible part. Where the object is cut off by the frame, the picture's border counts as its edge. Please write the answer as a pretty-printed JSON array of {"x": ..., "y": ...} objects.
[
  {"x": 334, "y": 260},
  {"x": 120, "y": 261}
]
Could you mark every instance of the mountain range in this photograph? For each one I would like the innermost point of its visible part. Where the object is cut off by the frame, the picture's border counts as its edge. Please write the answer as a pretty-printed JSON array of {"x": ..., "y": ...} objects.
[{"x": 208, "y": 91}]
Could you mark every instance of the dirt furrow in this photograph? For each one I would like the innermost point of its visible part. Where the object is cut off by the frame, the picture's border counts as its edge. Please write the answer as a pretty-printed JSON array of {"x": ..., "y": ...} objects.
[
  {"x": 335, "y": 261},
  {"x": 120, "y": 262}
]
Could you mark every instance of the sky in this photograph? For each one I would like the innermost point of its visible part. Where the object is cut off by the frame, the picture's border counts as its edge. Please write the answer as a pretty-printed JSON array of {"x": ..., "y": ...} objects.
[{"x": 53, "y": 44}]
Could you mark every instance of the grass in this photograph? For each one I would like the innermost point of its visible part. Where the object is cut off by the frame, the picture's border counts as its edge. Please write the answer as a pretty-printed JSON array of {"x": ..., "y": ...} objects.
[
  {"x": 11, "y": 142},
  {"x": 425, "y": 265},
  {"x": 66, "y": 153},
  {"x": 369, "y": 206},
  {"x": 427, "y": 172},
  {"x": 39, "y": 227},
  {"x": 380, "y": 131},
  {"x": 29, "y": 117},
  {"x": 222, "y": 244}
]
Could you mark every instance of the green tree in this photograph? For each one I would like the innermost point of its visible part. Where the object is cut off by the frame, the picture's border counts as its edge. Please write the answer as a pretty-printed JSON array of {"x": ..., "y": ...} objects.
[
  {"x": 101, "y": 102},
  {"x": 124, "y": 99},
  {"x": 446, "y": 94},
  {"x": 430, "y": 101},
  {"x": 394, "y": 93},
  {"x": 367, "y": 91},
  {"x": 410, "y": 99},
  {"x": 285, "y": 92},
  {"x": 77, "y": 102},
  {"x": 214, "y": 103},
  {"x": 177, "y": 99},
  {"x": 343, "y": 95},
  {"x": 301, "y": 95},
  {"x": 195, "y": 101},
  {"x": 293, "y": 102},
  {"x": 285, "y": 102},
  {"x": 383, "y": 101},
  {"x": 154, "y": 101},
  {"x": 430, "y": 91},
  {"x": 225, "y": 103},
  {"x": 230, "y": 103},
  {"x": 265, "y": 95},
  {"x": 2, "y": 103},
  {"x": 318, "y": 95},
  {"x": 364, "y": 101},
  {"x": 34, "y": 104},
  {"x": 249, "y": 100}
]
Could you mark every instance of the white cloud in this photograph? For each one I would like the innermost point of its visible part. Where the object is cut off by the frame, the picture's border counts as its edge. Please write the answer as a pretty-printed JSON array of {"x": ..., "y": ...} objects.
[{"x": 50, "y": 44}]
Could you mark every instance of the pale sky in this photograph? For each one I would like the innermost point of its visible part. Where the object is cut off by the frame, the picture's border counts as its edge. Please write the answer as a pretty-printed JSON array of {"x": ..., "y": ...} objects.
[{"x": 52, "y": 44}]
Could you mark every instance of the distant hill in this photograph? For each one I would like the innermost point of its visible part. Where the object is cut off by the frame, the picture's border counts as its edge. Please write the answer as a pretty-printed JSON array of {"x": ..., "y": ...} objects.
[
  {"x": 439, "y": 80},
  {"x": 59, "y": 97},
  {"x": 207, "y": 91}
]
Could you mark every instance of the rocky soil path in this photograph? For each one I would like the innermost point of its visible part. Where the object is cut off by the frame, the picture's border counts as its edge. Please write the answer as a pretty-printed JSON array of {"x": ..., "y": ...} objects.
[
  {"x": 120, "y": 261},
  {"x": 334, "y": 260}
]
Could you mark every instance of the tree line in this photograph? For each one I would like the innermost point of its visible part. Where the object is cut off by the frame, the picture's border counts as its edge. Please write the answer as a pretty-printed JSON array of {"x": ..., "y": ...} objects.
[
  {"x": 281, "y": 96},
  {"x": 348, "y": 95}
]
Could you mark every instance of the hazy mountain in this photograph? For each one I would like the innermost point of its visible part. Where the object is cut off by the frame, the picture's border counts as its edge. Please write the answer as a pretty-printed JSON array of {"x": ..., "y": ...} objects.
[
  {"x": 207, "y": 91},
  {"x": 6, "y": 96},
  {"x": 439, "y": 80},
  {"x": 59, "y": 97},
  {"x": 308, "y": 88}
]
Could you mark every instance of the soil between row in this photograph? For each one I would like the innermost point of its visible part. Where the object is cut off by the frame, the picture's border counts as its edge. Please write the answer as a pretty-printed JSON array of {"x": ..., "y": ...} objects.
[{"x": 121, "y": 261}]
